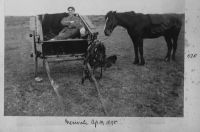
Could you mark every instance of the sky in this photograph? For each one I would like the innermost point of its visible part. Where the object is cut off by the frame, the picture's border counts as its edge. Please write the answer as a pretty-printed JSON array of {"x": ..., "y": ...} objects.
[{"x": 91, "y": 7}]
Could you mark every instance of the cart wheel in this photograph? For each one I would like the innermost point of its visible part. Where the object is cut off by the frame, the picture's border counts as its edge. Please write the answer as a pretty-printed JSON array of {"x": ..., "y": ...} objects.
[
  {"x": 34, "y": 52},
  {"x": 36, "y": 64}
]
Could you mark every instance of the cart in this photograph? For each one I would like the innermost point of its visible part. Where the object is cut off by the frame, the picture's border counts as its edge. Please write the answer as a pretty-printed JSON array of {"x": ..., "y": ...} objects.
[{"x": 63, "y": 50}]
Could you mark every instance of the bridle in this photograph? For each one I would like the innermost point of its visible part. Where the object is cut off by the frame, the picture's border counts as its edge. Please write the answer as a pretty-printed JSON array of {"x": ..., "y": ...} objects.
[{"x": 110, "y": 20}]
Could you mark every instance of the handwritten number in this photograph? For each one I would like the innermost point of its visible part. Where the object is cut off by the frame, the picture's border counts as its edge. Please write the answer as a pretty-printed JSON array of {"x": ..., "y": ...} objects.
[{"x": 190, "y": 56}]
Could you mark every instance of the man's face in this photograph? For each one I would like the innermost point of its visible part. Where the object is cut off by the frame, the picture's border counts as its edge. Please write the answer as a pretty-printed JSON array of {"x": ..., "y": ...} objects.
[{"x": 71, "y": 11}]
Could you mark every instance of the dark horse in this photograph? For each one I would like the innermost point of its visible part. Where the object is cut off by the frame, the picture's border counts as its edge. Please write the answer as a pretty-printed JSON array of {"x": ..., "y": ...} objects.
[{"x": 140, "y": 26}]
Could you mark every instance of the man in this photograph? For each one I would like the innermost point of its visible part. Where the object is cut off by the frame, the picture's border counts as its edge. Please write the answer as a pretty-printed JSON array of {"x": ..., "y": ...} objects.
[{"x": 73, "y": 27}]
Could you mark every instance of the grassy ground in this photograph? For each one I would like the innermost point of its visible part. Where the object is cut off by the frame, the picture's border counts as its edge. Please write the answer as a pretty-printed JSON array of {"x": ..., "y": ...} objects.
[{"x": 155, "y": 89}]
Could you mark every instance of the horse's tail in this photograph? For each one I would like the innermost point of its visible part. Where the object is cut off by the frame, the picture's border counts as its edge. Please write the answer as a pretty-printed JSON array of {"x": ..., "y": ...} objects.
[{"x": 179, "y": 21}]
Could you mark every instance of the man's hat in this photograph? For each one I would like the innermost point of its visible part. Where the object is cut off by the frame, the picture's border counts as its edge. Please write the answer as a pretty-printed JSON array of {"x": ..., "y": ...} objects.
[{"x": 71, "y": 7}]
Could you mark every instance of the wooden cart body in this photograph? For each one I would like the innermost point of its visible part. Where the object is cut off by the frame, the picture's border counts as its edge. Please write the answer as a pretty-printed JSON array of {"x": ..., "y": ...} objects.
[
  {"x": 60, "y": 50},
  {"x": 41, "y": 25}
]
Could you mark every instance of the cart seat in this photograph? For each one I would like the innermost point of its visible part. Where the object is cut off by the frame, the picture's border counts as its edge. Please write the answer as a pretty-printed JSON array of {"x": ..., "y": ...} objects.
[
  {"x": 51, "y": 24},
  {"x": 47, "y": 26}
]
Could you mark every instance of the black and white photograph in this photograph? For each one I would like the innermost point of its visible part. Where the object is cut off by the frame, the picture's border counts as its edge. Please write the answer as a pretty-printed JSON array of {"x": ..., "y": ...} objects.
[
  {"x": 95, "y": 58},
  {"x": 123, "y": 62}
]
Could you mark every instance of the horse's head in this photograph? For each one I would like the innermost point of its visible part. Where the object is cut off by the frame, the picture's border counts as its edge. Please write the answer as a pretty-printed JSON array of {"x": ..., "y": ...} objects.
[{"x": 111, "y": 22}]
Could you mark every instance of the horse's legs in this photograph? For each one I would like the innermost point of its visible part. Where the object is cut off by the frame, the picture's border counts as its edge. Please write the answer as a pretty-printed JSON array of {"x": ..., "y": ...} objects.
[
  {"x": 175, "y": 38},
  {"x": 136, "y": 54},
  {"x": 174, "y": 47},
  {"x": 135, "y": 44},
  {"x": 169, "y": 45},
  {"x": 140, "y": 44}
]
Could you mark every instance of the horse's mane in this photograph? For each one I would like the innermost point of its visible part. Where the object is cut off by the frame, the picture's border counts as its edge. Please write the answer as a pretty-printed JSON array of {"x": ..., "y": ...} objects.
[
  {"x": 108, "y": 14},
  {"x": 130, "y": 13}
]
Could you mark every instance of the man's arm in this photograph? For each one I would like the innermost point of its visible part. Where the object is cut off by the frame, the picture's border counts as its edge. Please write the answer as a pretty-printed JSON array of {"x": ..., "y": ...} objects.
[{"x": 72, "y": 22}]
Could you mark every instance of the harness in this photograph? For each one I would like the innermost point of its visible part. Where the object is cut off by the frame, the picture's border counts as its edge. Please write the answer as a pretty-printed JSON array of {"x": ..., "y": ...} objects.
[
  {"x": 96, "y": 54},
  {"x": 96, "y": 57}
]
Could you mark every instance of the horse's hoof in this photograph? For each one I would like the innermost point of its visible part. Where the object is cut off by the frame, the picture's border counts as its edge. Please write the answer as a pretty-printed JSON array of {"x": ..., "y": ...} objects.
[
  {"x": 173, "y": 58},
  {"x": 136, "y": 62},
  {"x": 142, "y": 63},
  {"x": 167, "y": 59},
  {"x": 82, "y": 81}
]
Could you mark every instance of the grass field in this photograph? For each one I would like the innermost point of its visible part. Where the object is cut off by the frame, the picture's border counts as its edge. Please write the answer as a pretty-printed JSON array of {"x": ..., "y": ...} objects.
[{"x": 153, "y": 90}]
